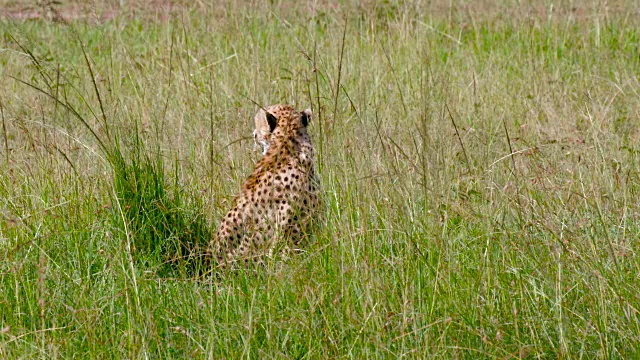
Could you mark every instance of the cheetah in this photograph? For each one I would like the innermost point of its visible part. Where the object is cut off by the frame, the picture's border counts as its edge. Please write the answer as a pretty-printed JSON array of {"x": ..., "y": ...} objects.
[{"x": 278, "y": 202}]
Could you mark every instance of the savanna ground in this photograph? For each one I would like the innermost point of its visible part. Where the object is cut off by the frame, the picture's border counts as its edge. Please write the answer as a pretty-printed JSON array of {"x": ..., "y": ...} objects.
[{"x": 479, "y": 161}]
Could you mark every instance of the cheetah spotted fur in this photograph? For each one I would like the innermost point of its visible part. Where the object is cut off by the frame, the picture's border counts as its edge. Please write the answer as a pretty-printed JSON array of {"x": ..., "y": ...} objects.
[{"x": 279, "y": 200}]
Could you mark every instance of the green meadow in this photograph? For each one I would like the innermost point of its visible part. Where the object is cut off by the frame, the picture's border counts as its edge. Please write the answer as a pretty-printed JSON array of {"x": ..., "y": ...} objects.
[{"x": 479, "y": 161}]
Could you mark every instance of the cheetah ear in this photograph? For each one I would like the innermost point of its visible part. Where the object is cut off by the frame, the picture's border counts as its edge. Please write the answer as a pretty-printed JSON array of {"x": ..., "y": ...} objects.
[
  {"x": 272, "y": 120},
  {"x": 305, "y": 117}
]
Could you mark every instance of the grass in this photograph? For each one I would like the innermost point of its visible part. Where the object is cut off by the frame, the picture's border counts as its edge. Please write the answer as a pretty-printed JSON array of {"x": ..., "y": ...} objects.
[{"x": 480, "y": 168}]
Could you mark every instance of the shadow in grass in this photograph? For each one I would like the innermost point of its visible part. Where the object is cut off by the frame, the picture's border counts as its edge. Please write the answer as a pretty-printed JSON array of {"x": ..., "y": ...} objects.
[
  {"x": 164, "y": 233},
  {"x": 167, "y": 232}
]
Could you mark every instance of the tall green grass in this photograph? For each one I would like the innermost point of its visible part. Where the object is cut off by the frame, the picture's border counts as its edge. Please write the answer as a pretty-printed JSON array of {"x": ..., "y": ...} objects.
[
  {"x": 480, "y": 172},
  {"x": 147, "y": 209}
]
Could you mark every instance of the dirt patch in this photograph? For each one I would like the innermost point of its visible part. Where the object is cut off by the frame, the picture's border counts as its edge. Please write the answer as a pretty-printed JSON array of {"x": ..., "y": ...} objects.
[
  {"x": 89, "y": 11},
  {"x": 161, "y": 10}
]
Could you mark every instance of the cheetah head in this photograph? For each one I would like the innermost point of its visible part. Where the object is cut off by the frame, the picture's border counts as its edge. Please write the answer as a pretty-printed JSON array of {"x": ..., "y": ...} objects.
[{"x": 278, "y": 118}]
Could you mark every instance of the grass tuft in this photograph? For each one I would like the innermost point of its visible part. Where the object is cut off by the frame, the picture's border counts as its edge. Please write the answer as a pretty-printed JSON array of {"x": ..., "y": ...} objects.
[{"x": 167, "y": 233}]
